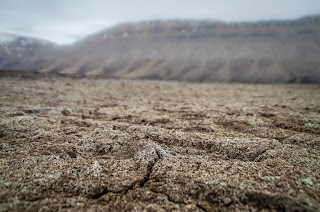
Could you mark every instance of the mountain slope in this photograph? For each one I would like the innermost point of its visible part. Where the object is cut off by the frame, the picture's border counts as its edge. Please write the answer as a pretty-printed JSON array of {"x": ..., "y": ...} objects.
[
  {"x": 20, "y": 52},
  {"x": 202, "y": 51}
]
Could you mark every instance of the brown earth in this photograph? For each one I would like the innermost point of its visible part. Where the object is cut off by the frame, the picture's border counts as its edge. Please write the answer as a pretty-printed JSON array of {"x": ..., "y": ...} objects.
[{"x": 112, "y": 145}]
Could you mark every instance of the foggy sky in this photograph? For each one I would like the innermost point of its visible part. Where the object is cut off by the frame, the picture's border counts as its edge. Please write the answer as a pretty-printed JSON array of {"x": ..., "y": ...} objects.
[{"x": 65, "y": 21}]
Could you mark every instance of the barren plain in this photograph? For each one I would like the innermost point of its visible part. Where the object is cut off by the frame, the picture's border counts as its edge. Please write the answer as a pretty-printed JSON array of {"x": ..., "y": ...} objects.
[{"x": 89, "y": 144}]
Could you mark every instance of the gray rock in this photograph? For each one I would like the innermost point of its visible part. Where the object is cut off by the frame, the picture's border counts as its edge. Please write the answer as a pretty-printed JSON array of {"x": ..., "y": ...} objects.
[{"x": 307, "y": 181}]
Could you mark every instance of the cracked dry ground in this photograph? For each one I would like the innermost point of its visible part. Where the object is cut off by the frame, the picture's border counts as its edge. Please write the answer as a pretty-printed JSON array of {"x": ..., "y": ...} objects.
[{"x": 113, "y": 145}]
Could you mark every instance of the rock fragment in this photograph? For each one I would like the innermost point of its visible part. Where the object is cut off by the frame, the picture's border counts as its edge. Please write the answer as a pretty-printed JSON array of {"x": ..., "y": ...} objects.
[{"x": 307, "y": 181}]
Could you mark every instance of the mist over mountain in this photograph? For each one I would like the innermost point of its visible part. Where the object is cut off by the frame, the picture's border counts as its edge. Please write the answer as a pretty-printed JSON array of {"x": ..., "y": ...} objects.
[{"x": 186, "y": 50}]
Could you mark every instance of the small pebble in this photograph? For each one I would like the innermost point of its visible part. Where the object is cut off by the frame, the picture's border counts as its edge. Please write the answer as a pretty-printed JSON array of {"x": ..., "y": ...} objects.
[
  {"x": 307, "y": 181},
  {"x": 7, "y": 184},
  {"x": 227, "y": 201},
  {"x": 223, "y": 184}
]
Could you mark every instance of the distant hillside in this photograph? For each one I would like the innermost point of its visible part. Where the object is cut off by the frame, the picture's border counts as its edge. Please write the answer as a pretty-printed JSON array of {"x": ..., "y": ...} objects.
[
  {"x": 20, "y": 52},
  {"x": 201, "y": 51}
]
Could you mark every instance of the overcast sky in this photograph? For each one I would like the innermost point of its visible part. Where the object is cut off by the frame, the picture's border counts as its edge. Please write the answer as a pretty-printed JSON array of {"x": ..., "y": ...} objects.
[{"x": 64, "y": 21}]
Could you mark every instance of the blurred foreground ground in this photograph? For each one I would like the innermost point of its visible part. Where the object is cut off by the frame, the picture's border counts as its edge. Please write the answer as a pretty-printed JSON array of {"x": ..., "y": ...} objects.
[{"x": 109, "y": 145}]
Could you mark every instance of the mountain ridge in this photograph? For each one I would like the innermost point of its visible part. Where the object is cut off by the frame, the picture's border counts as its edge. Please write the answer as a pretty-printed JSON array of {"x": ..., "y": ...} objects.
[{"x": 201, "y": 51}]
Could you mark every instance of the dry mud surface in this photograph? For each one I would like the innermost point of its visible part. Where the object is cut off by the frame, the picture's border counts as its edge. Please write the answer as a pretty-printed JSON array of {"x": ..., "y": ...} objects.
[{"x": 114, "y": 145}]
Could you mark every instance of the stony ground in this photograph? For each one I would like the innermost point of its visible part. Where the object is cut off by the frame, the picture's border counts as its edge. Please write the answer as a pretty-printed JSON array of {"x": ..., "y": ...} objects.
[{"x": 114, "y": 145}]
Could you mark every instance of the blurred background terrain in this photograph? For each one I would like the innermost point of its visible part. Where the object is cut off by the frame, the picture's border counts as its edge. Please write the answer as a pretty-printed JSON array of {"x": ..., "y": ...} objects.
[{"x": 183, "y": 50}]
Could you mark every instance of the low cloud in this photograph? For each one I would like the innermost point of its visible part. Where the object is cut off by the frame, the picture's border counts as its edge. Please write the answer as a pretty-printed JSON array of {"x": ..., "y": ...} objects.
[{"x": 66, "y": 21}]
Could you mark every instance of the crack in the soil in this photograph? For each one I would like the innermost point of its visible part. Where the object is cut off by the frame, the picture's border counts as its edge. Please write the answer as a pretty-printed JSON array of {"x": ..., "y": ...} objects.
[
  {"x": 201, "y": 207},
  {"x": 142, "y": 182},
  {"x": 146, "y": 178}
]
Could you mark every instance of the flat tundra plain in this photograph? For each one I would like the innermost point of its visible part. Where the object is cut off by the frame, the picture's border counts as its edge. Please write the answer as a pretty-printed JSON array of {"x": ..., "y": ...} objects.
[{"x": 119, "y": 145}]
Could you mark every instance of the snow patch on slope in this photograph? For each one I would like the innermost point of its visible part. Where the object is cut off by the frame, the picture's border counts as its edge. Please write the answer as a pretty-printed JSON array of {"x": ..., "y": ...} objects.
[
  {"x": 6, "y": 48},
  {"x": 6, "y": 38}
]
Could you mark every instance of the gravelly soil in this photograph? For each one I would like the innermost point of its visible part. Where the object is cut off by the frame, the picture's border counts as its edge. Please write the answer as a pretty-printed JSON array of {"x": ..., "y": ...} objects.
[{"x": 110, "y": 145}]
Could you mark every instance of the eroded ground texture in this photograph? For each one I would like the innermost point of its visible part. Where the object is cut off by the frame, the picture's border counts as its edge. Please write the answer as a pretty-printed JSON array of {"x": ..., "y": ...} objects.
[{"x": 113, "y": 145}]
